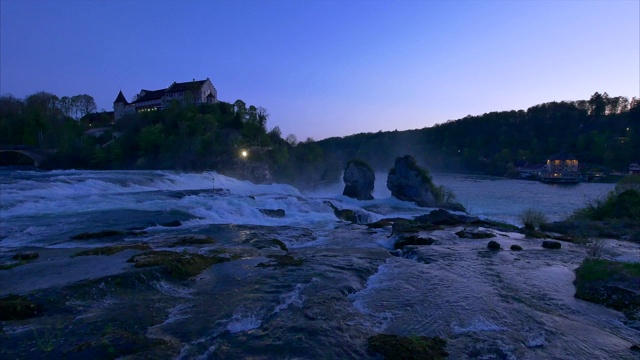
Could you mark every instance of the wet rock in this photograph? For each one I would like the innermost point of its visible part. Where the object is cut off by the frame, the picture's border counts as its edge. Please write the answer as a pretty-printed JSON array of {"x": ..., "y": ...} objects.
[
  {"x": 26, "y": 256},
  {"x": 18, "y": 307},
  {"x": 412, "y": 240},
  {"x": 408, "y": 182},
  {"x": 468, "y": 234},
  {"x": 516, "y": 248},
  {"x": 274, "y": 213},
  {"x": 415, "y": 347},
  {"x": 383, "y": 223},
  {"x": 189, "y": 240},
  {"x": 180, "y": 265},
  {"x": 406, "y": 226},
  {"x": 610, "y": 283},
  {"x": 444, "y": 217},
  {"x": 535, "y": 234},
  {"x": 281, "y": 261},
  {"x": 105, "y": 234},
  {"x": 635, "y": 347},
  {"x": 549, "y": 244},
  {"x": 343, "y": 214},
  {"x": 564, "y": 238},
  {"x": 173, "y": 223},
  {"x": 261, "y": 243},
  {"x": 11, "y": 264},
  {"x": 359, "y": 179},
  {"x": 115, "y": 343},
  {"x": 110, "y": 250},
  {"x": 493, "y": 245}
]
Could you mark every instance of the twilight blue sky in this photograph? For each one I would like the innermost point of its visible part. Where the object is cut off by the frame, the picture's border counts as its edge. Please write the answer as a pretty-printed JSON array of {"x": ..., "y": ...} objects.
[{"x": 328, "y": 68}]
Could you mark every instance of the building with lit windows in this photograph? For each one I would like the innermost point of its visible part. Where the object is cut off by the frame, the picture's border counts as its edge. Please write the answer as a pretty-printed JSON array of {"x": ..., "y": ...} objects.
[
  {"x": 191, "y": 92},
  {"x": 561, "y": 168}
]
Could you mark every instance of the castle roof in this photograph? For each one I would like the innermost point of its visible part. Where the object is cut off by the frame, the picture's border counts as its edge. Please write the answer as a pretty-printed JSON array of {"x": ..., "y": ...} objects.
[
  {"x": 186, "y": 86},
  {"x": 121, "y": 98},
  {"x": 150, "y": 95}
]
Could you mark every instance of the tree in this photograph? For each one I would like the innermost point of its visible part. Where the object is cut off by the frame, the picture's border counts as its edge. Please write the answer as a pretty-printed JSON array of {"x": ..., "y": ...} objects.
[
  {"x": 42, "y": 102},
  {"x": 66, "y": 105},
  {"x": 292, "y": 140},
  {"x": 263, "y": 116},
  {"x": 84, "y": 104},
  {"x": 598, "y": 104},
  {"x": 275, "y": 133}
]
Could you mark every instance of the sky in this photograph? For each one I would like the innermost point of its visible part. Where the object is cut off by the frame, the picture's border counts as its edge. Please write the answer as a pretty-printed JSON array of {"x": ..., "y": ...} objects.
[{"x": 328, "y": 68}]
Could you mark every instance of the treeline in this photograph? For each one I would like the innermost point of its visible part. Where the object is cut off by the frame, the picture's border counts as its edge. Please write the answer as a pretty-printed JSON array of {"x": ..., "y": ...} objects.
[
  {"x": 44, "y": 121},
  {"x": 602, "y": 132},
  {"x": 183, "y": 137}
]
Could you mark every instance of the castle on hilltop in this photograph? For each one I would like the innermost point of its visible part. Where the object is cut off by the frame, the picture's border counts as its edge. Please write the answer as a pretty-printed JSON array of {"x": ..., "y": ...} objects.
[{"x": 191, "y": 92}]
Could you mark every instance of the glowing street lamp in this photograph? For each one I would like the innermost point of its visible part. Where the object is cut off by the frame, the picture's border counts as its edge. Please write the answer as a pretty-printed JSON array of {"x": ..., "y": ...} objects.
[{"x": 244, "y": 154}]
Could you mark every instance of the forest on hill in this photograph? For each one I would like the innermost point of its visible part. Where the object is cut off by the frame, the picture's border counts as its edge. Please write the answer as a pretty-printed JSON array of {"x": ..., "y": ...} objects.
[{"x": 602, "y": 132}]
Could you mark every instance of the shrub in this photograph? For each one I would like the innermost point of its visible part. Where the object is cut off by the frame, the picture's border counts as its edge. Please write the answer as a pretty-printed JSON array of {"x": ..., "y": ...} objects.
[
  {"x": 629, "y": 182},
  {"x": 532, "y": 219},
  {"x": 595, "y": 249},
  {"x": 623, "y": 202}
]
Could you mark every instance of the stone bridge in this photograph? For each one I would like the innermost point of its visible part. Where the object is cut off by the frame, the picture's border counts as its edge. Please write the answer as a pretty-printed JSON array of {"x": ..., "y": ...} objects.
[{"x": 37, "y": 155}]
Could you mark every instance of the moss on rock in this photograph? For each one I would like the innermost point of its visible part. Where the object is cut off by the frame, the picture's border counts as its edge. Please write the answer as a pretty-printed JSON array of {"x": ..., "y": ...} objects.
[
  {"x": 412, "y": 240},
  {"x": 409, "y": 348},
  {"x": 26, "y": 256},
  {"x": 11, "y": 264},
  {"x": 281, "y": 261},
  {"x": 467, "y": 234},
  {"x": 18, "y": 307},
  {"x": 180, "y": 265},
  {"x": 187, "y": 240},
  {"x": 407, "y": 226},
  {"x": 610, "y": 283},
  {"x": 105, "y": 234},
  {"x": 110, "y": 250}
]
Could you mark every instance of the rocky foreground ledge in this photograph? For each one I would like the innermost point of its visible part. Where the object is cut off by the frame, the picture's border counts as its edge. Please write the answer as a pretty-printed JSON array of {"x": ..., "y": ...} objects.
[{"x": 104, "y": 302}]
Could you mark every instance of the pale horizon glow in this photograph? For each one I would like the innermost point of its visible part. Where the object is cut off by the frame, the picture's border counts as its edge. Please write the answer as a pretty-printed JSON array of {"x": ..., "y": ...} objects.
[{"x": 328, "y": 68}]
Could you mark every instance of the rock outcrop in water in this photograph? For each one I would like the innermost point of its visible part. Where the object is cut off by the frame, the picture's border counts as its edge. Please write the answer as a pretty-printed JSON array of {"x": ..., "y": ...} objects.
[
  {"x": 409, "y": 182},
  {"x": 358, "y": 180}
]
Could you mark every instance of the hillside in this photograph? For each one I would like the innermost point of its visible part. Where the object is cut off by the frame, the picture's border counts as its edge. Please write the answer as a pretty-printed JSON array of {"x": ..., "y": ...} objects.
[{"x": 602, "y": 132}]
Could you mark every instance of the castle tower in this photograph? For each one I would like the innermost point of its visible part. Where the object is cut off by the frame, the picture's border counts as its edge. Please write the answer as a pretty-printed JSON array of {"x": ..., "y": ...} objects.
[{"x": 119, "y": 106}]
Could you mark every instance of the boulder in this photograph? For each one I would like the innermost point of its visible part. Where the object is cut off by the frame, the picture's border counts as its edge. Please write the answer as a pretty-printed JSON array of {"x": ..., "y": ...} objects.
[
  {"x": 26, "y": 256},
  {"x": 412, "y": 240},
  {"x": 274, "y": 213},
  {"x": 493, "y": 245},
  {"x": 405, "y": 226},
  {"x": 408, "y": 182},
  {"x": 443, "y": 217},
  {"x": 549, "y": 244},
  {"x": 516, "y": 248},
  {"x": 468, "y": 234},
  {"x": 172, "y": 223},
  {"x": 343, "y": 214},
  {"x": 358, "y": 180}
]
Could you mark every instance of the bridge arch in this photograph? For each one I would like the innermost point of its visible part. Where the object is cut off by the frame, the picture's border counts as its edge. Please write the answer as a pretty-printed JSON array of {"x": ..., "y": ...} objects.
[{"x": 35, "y": 156}]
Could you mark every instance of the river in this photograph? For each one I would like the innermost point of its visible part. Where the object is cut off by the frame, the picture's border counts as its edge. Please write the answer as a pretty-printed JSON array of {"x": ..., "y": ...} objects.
[{"x": 487, "y": 305}]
